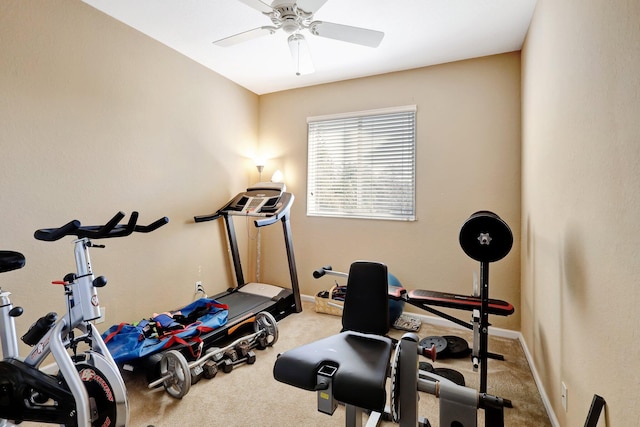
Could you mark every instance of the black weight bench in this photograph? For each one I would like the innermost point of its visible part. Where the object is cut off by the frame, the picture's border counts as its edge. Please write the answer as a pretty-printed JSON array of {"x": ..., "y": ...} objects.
[{"x": 353, "y": 366}]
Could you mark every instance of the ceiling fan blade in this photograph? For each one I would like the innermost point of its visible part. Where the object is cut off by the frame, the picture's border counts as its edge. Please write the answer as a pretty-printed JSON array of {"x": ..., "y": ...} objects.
[
  {"x": 258, "y": 5},
  {"x": 244, "y": 36},
  {"x": 310, "y": 6},
  {"x": 300, "y": 54},
  {"x": 346, "y": 33}
]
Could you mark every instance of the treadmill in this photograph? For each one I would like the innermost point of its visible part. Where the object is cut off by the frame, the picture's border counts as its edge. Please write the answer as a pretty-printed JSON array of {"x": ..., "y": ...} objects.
[{"x": 268, "y": 203}]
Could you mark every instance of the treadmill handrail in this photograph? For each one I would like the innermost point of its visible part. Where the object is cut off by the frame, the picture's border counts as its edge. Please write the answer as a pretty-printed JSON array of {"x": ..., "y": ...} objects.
[{"x": 210, "y": 217}]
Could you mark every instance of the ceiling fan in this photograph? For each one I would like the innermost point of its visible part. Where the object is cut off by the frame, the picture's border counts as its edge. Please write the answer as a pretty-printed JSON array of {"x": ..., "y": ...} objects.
[{"x": 294, "y": 16}]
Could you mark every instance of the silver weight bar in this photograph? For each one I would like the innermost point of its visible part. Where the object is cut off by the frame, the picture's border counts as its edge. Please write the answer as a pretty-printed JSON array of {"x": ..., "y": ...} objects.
[{"x": 175, "y": 371}]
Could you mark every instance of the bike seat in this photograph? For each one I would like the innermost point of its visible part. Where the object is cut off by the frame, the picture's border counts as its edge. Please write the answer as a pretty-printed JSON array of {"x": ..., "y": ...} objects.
[{"x": 10, "y": 260}]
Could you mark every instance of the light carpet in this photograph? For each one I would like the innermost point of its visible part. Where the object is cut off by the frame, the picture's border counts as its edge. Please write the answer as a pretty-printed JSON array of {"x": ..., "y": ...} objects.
[{"x": 249, "y": 395}]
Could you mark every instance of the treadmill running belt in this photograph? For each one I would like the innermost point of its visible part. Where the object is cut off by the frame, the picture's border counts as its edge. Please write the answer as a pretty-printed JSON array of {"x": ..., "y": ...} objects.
[{"x": 241, "y": 303}]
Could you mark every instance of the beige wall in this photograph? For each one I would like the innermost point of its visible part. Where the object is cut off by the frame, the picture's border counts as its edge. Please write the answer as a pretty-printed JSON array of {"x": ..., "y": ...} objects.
[
  {"x": 468, "y": 135},
  {"x": 580, "y": 205},
  {"x": 97, "y": 118}
]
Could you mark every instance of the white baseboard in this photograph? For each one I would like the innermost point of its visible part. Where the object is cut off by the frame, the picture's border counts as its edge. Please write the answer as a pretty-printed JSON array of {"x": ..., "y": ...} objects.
[
  {"x": 498, "y": 332},
  {"x": 536, "y": 377},
  {"x": 307, "y": 298}
]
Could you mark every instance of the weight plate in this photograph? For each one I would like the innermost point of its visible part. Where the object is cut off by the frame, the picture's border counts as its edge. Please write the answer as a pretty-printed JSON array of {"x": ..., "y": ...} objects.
[
  {"x": 267, "y": 323},
  {"x": 439, "y": 342},
  {"x": 451, "y": 375},
  {"x": 485, "y": 237},
  {"x": 174, "y": 366},
  {"x": 456, "y": 347}
]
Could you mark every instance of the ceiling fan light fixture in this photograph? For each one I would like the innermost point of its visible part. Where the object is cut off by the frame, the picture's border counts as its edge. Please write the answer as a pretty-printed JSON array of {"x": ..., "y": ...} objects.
[
  {"x": 300, "y": 54},
  {"x": 290, "y": 25}
]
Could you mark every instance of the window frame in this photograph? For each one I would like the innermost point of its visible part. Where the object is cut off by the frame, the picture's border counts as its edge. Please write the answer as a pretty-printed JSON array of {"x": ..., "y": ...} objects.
[{"x": 370, "y": 136}]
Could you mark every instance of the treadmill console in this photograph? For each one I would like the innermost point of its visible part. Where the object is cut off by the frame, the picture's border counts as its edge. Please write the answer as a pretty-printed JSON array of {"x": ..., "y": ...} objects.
[{"x": 261, "y": 199}]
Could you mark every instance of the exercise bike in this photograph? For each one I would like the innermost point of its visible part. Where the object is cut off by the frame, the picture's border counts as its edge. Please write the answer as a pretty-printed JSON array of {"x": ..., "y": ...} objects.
[{"x": 87, "y": 389}]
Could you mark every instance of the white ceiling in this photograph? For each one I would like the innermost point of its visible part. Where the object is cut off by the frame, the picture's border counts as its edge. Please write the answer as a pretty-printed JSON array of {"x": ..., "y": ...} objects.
[{"x": 418, "y": 33}]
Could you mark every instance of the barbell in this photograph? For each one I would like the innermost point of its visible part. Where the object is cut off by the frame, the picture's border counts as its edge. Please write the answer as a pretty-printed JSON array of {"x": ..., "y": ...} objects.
[{"x": 176, "y": 372}]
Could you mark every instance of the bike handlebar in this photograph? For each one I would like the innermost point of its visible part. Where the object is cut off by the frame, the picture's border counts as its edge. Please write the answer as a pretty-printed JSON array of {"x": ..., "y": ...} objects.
[
  {"x": 51, "y": 234},
  {"x": 153, "y": 226},
  {"x": 111, "y": 229},
  {"x": 113, "y": 222}
]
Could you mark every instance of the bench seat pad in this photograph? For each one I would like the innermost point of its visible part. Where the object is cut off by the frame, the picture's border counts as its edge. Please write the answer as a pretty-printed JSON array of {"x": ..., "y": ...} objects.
[{"x": 362, "y": 362}]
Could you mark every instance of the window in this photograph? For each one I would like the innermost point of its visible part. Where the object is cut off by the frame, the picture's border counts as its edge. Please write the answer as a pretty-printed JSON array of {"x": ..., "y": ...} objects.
[{"x": 362, "y": 165}]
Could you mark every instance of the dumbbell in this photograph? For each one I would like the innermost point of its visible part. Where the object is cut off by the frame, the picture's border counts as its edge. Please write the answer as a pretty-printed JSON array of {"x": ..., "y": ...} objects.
[
  {"x": 210, "y": 367},
  {"x": 196, "y": 374},
  {"x": 228, "y": 364}
]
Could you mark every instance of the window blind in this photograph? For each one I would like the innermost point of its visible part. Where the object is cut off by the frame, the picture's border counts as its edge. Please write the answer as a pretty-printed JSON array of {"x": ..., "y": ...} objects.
[{"x": 363, "y": 165}]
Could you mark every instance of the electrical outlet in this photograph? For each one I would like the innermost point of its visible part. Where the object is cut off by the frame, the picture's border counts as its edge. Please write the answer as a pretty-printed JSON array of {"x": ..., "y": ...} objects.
[
  {"x": 198, "y": 287},
  {"x": 564, "y": 396}
]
